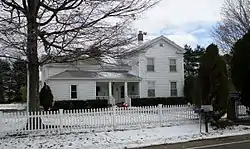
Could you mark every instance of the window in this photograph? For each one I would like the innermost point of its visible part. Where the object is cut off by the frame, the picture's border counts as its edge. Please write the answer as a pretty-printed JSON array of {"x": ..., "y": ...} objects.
[
  {"x": 98, "y": 89},
  {"x": 151, "y": 88},
  {"x": 172, "y": 65},
  {"x": 150, "y": 64},
  {"x": 122, "y": 92},
  {"x": 173, "y": 89},
  {"x": 133, "y": 88},
  {"x": 73, "y": 91},
  {"x": 161, "y": 44}
]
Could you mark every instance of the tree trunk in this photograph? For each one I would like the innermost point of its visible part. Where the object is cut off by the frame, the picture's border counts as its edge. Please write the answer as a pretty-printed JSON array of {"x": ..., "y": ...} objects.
[
  {"x": 1, "y": 91},
  {"x": 33, "y": 64}
]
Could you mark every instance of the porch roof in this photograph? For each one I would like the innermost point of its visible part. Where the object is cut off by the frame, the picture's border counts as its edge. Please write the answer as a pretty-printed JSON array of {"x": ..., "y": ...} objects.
[{"x": 92, "y": 75}]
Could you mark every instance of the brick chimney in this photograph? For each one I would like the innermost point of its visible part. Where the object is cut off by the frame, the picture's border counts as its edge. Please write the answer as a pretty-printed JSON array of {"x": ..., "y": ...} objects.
[{"x": 140, "y": 37}]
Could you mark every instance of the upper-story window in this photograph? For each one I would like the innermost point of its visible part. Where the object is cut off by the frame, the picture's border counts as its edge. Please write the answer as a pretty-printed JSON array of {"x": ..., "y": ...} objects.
[
  {"x": 150, "y": 64},
  {"x": 161, "y": 44},
  {"x": 73, "y": 91},
  {"x": 172, "y": 65}
]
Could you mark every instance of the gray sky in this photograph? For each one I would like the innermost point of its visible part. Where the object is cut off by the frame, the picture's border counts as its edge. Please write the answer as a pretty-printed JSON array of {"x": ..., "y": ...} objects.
[{"x": 183, "y": 21}]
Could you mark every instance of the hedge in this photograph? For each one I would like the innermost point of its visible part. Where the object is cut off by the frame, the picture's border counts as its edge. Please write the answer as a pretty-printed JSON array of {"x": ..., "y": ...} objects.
[
  {"x": 159, "y": 100},
  {"x": 79, "y": 104},
  {"x": 98, "y": 103},
  {"x": 103, "y": 103}
]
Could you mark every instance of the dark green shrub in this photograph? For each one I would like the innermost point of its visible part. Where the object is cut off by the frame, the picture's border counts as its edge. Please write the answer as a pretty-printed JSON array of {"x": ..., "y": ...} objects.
[
  {"x": 69, "y": 104},
  {"x": 159, "y": 100},
  {"x": 18, "y": 98},
  {"x": 100, "y": 103},
  {"x": 46, "y": 97},
  {"x": 80, "y": 104},
  {"x": 188, "y": 87}
]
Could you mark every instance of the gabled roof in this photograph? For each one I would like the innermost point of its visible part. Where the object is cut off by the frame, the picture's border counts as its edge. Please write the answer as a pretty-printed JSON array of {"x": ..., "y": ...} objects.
[
  {"x": 151, "y": 42},
  {"x": 75, "y": 74},
  {"x": 81, "y": 74}
]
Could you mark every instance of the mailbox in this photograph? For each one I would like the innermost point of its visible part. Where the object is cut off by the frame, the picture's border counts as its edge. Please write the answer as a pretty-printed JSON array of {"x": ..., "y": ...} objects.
[{"x": 207, "y": 108}]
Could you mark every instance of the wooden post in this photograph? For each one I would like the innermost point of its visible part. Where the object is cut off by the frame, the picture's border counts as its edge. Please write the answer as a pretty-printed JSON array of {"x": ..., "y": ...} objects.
[
  {"x": 114, "y": 118},
  {"x": 61, "y": 121},
  {"x": 160, "y": 114},
  {"x": 206, "y": 122},
  {"x": 1, "y": 124}
]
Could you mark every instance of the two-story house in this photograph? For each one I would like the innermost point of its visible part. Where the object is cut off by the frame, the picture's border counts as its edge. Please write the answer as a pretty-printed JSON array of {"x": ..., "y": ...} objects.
[{"x": 157, "y": 71}]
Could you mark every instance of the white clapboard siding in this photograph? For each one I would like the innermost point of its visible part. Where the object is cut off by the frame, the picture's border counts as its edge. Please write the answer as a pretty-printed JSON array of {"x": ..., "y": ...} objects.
[{"x": 161, "y": 75}]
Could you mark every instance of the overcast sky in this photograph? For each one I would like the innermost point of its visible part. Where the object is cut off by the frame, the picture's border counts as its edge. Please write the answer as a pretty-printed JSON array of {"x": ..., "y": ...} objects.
[{"x": 182, "y": 21}]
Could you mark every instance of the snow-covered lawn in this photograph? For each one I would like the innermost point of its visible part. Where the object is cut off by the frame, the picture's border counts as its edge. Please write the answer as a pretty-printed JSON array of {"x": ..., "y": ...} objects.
[
  {"x": 13, "y": 106},
  {"x": 119, "y": 139}
]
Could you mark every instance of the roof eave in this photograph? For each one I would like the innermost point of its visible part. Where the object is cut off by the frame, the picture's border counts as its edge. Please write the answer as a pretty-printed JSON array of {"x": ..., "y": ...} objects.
[
  {"x": 76, "y": 78},
  {"x": 143, "y": 47}
]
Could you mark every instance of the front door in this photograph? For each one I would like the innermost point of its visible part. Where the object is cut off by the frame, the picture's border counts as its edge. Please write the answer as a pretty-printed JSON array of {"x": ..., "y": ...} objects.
[{"x": 118, "y": 92}]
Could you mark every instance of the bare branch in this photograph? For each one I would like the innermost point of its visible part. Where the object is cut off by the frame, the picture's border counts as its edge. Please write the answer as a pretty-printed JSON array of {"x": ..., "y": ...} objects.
[
  {"x": 66, "y": 31},
  {"x": 74, "y": 29},
  {"x": 235, "y": 23}
]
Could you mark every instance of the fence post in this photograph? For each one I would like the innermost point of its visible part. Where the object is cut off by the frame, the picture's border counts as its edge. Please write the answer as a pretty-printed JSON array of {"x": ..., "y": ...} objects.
[
  {"x": 60, "y": 118},
  {"x": 1, "y": 124},
  {"x": 160, "y": 114},
  {"x": 114, "y": 118}
]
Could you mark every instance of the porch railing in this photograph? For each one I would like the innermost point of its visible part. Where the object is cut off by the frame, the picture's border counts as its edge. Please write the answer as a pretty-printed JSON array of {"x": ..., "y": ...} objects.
[
  {"x": 112, "y": 100},
  {"x": 134, "y": 96},
  {"x": 128, "y": 100},
  {"x": 102, "y": 97}
]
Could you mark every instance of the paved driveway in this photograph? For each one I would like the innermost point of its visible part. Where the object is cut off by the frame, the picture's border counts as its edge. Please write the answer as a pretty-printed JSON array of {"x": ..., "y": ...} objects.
[{"x": 235, "y": 142}]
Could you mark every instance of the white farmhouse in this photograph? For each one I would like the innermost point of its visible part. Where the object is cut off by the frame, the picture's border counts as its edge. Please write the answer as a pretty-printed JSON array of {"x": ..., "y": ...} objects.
[{"x": 157, "y": 71}]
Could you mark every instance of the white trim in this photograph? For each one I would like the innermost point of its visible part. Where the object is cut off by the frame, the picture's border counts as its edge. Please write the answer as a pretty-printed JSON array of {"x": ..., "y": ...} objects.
[{"x": 146, "y": 45}]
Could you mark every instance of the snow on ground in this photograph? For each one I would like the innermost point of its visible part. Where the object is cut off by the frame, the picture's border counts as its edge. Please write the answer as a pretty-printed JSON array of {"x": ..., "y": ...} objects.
[
  {"x": 119, "y": 139},
  {"x": 14, "y": 106}
]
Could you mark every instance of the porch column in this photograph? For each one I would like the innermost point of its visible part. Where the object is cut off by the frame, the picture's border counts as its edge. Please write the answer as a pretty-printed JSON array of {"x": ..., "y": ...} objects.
[
  {"x": 140, "y": 89},
  {"x": 110, "y": 92},
  {"x": 126, "y": 88},
  {"x": 126, "y": 92}
]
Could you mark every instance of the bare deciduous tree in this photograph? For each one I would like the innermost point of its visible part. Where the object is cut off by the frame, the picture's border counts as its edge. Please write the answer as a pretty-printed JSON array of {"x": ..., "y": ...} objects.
[
  {"x": 235, "y": 22},
  {"x": 69, "y": 29}
]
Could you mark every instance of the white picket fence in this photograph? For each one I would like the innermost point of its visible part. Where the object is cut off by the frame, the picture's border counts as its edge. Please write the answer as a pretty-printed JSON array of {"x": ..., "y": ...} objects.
[
  {"x": 87, "y": 120},
  {"x": 241, "y": 112}
]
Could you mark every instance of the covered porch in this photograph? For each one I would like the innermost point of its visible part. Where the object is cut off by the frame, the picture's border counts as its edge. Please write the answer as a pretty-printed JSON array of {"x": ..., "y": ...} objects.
[{"x": 117, "y": 91}]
